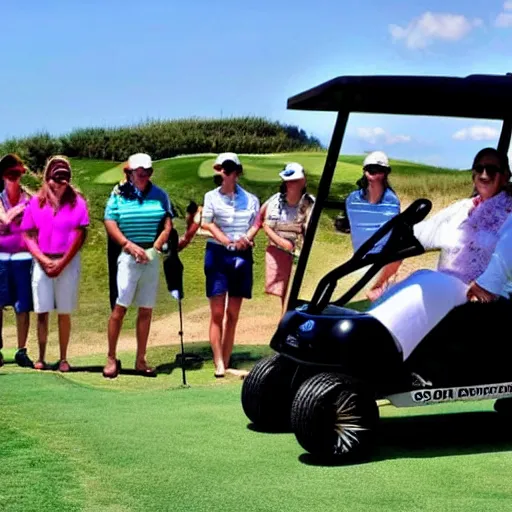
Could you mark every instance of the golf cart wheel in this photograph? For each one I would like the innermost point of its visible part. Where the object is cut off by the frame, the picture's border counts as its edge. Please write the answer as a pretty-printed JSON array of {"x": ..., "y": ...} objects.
[
  {"x": 503, "y": 406},
  {"x": 334, "y": 417},
  {"x": 267, "y": 393}
]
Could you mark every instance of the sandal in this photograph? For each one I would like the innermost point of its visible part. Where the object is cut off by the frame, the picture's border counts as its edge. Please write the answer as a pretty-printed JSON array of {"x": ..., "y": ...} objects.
[
  {"x": 220, "y": 371},
  {"x": 40, "y": 365},
  {"x": 63, "y": 366},
  {"x": 145, "y": 372},
  {"x": 115, "y": 373}
]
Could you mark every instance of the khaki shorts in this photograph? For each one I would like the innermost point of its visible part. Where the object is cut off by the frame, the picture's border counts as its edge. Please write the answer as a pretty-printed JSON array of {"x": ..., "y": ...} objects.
[
  {"x": 56, "y": 293},
  {"x": 138, "y": 282}
]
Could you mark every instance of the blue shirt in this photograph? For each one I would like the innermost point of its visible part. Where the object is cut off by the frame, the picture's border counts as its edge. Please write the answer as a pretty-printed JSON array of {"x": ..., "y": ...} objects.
[
  {"x": 366, "y": 218},
  {"x": 138, "y": 215}
]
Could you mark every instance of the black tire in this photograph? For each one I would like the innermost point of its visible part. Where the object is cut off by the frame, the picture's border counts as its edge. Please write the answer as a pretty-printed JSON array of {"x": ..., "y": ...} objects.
[
  {"x": 503, "y": 406},
  {"x": 267, "y": 393},
  {"x": 334, "y": 417}
]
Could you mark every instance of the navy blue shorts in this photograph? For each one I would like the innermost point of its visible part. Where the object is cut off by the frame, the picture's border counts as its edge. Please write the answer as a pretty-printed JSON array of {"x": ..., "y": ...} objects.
[
  {"x": 228, "y": 271},
  {"x": 16, "y": 282}
]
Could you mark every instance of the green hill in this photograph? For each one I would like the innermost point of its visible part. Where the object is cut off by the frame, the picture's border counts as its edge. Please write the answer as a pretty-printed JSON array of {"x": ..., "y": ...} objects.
[{"x": 164, "y": 139}]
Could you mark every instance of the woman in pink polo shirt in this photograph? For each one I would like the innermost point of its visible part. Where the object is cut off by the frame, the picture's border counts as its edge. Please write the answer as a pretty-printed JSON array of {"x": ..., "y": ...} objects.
[{"x": 55, "y": 224}]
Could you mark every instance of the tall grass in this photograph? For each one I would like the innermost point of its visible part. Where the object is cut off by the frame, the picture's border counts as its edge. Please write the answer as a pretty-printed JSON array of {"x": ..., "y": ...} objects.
[{"x": 164, "y": 139}]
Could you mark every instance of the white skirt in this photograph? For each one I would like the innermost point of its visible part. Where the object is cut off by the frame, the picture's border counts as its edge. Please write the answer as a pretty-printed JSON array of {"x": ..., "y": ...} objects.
[{"x": 413, "y": 307}]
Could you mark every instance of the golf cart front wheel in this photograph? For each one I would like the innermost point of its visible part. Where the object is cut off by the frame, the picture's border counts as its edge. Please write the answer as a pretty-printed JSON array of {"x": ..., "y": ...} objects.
[
  {"x": 333, "y": 417},
  {"x": 266, "y": 393}
]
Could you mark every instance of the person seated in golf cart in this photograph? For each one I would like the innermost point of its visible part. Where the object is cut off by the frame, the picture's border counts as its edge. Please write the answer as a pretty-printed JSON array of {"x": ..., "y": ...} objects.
[
  {"x": 474, "y": 236},
  {"x": 373, "y": 203}
]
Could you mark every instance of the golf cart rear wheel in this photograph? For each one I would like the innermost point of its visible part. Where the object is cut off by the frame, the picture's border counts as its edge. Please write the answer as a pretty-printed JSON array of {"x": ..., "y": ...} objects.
[
  {"x": 267, "y": 392},
  {"x": 334, "y": 417}
]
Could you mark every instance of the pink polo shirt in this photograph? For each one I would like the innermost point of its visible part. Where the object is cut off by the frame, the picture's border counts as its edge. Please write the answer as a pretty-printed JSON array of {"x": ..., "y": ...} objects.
[
  {"x": 55, "y": 232},
  {"x": 11, "y": 240}
]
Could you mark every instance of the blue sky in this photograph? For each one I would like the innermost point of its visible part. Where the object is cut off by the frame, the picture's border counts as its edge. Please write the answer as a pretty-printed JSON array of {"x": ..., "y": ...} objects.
[{"x": 108, "y": 63}]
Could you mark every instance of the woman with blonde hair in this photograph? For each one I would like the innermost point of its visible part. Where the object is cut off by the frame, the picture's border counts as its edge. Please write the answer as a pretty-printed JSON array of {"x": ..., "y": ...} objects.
[{"x": 54, "y": 225}]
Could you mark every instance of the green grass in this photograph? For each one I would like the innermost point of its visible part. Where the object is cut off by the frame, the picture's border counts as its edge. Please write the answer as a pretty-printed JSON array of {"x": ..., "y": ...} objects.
[
  {"x": 78, "y": 442},
  {"x": 77, "y": 445}
]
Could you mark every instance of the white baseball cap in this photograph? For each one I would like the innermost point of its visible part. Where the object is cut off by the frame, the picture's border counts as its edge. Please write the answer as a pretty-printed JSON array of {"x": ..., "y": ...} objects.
[
  {"x": 139, "y": 160},
  {"x": 224, "y": 157},
  {"x": 292, "y": 171},
  {"x": 376, "y": 158}
]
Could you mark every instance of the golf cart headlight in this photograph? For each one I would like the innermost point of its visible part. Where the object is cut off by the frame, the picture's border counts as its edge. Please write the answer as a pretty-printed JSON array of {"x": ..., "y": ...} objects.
[{"x": 345, "y": 326}]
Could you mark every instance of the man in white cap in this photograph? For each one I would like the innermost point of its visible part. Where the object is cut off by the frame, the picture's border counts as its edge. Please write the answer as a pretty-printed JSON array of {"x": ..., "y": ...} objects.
[{"x": 138, "y": 218}]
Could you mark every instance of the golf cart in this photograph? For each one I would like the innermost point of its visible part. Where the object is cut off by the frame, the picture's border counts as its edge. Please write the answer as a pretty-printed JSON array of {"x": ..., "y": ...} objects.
[{"x": 333, "y": 363}]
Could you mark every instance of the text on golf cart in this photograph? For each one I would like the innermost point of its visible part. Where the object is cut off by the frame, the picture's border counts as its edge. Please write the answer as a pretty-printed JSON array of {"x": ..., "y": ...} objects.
[{"x": 439, "y": 395}]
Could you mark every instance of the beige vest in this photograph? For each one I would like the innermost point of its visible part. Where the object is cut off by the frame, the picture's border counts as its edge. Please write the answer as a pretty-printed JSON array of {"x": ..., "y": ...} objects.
[{"x": 292, "y": 229}]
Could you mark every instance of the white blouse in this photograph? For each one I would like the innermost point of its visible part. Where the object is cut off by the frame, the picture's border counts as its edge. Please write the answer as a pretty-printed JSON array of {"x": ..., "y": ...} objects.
[{"x": 444, "y": 231}]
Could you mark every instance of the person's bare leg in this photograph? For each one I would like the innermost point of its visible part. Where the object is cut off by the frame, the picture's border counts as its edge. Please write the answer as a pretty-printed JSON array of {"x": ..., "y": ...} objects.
[
  {"x": 22, "y": 327},
  {"x": 142, "y": 332},
  {"x": 64, "y": 321},
  {"x": 1, "y": 336},
  {"x": 1, "y": 328},
  {"x": 42, "y": 338},
  {"x": 217, "y": 307},
  {"x": 228, "y": 338},
  {"x": 115, "y": 323}
]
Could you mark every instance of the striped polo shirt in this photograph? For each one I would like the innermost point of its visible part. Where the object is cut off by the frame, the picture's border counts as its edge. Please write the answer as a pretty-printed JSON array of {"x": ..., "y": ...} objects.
[
  {"x": 138, "y": 215},
  {"x": 366, "y": 218},
  {"x": 234, "y": 215}
]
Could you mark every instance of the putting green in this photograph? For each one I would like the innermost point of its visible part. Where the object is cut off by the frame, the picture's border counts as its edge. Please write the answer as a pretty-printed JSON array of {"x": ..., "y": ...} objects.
[
  {"x": 259, "y": 168},
  {"x": 266, "y": 168},
  {"x": 111, "y": 176}
]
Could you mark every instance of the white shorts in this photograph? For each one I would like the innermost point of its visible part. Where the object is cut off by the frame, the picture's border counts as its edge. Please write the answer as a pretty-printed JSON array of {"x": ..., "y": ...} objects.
[
  {"x": 56, "y": 293},
  {"x": 413, "y": 307},
  {"x": 137, "y": 282}
]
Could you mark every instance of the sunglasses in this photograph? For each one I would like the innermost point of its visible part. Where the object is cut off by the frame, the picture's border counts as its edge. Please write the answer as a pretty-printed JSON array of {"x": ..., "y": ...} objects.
[
  {"x": 60, "y": 179},
  {"x": 491, "y": 169},
  {"x": 12, "y": 176},
  {"x": 375, "y": 169}
]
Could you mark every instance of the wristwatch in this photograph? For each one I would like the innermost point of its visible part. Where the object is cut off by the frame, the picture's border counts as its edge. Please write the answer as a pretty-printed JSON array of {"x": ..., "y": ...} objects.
[{"x": 231, "y": 247}]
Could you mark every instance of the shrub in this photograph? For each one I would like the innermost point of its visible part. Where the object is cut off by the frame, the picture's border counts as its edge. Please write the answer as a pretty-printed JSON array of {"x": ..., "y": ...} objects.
[{"x": 164, "y": 139}]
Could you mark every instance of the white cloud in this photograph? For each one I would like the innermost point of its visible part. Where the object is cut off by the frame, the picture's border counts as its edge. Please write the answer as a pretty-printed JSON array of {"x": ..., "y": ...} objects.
[
  {"x": 477, "y": 132},
  {"x": 378, "y": 135},
  {"x": 504, "y": 19},
  {"x": 428, "y": 27}
]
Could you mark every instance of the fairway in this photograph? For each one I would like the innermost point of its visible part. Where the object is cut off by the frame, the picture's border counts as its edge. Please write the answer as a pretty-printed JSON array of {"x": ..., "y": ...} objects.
[{"x": 68, "y": 446}]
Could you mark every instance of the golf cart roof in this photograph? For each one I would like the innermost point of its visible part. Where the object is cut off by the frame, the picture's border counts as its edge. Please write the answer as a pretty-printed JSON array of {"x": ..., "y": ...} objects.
[{"x": 475, "y": 96}]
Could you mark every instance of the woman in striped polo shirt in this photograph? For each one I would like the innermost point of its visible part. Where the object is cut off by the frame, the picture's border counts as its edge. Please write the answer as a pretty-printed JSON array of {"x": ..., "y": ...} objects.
[
  {"x": 133, "y": 217},
  {"x": 228, "y": 214}
]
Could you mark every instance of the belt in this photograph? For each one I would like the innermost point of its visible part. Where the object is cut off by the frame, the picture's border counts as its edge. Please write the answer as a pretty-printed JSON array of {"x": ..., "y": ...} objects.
[{"x": 145, "y": 245}]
